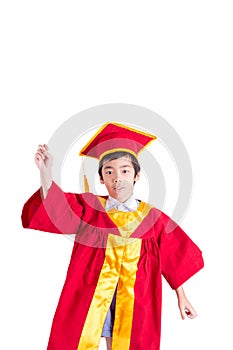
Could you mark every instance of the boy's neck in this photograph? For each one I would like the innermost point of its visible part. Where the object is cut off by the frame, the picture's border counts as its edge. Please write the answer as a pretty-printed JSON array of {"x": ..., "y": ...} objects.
[{"x": 122, "y": 200}]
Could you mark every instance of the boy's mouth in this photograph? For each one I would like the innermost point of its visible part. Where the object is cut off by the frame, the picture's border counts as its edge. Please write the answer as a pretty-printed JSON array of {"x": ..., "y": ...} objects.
[{"x": 118, "y": 188}]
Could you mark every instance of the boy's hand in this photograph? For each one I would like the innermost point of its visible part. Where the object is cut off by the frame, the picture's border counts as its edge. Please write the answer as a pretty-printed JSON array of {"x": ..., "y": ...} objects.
[
  {"x": 44, "y": 162},
  {"x": 43, "y": 158},
  {"x": 186, "y": 309}
]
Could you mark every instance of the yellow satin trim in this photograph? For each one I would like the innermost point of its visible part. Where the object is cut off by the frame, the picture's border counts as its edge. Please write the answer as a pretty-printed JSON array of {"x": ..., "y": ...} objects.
[
  {"x": 119, "y": 269},
  {"x": 125, "y": 295},
  {"x": 127, "y": 222}
]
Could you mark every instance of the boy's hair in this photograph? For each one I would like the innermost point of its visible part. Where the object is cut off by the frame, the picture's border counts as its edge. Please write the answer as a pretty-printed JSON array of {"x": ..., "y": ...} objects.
[{"x": 116, "y": 155}]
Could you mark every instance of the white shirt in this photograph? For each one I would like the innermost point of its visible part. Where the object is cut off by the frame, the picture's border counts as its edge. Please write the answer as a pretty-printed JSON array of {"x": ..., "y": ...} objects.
[{"x": 131, "y": 204}]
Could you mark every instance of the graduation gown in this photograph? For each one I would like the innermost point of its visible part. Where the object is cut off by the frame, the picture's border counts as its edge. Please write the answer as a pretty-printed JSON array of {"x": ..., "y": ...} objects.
[{"x": 126, "y": 251}]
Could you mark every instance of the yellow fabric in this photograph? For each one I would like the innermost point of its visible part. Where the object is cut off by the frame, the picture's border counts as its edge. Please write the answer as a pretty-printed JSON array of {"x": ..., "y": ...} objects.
[
  {"x": 119, "y": 269},
  {"x": 103, "y": 295},
  {"x": 86, "y": 184},
  {"x": 125, "y": 295},
  {"x": 85, "y": 181},
  {"x": 127, "y": 222}
]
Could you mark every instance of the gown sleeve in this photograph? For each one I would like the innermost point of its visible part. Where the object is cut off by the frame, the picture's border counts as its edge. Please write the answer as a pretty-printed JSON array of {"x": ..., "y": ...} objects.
[
  {"x": 59, "y": 212},
  {"x": 180, "y": 256}
]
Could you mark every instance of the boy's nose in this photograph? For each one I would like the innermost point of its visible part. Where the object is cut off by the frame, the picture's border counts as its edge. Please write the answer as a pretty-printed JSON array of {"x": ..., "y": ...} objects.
[{"x": 117, "y": 180}]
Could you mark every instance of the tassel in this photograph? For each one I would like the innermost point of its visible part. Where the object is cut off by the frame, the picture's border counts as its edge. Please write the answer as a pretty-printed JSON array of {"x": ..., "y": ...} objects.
[{"x": 85, "y": 181}]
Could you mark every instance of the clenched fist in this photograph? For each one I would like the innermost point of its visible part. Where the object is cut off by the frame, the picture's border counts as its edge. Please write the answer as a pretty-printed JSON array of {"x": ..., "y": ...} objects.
[
  {"x": 43, "y": 158},
  {"x": 44, "y": 162}
]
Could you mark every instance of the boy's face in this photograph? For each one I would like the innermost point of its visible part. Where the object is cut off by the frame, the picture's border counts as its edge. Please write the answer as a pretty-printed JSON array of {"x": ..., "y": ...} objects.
[{"x": 118, "y": 177}]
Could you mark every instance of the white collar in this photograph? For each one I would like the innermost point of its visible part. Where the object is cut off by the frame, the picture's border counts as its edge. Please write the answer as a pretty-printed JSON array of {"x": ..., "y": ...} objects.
[{"x": 131, "y": 204}]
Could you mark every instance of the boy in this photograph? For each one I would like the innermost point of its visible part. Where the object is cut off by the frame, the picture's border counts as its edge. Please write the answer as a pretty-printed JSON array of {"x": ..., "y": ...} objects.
[{"x": 122, "y": 246}]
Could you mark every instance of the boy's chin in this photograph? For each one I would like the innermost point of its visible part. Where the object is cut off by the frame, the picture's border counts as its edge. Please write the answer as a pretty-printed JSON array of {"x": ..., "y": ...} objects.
[{"x": 121, "y": 197}]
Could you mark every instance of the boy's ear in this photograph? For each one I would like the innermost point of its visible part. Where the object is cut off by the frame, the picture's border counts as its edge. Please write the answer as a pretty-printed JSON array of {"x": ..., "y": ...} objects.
[
  {"x": 137, "y": 177},
  {"x": 101, "y": 181}
]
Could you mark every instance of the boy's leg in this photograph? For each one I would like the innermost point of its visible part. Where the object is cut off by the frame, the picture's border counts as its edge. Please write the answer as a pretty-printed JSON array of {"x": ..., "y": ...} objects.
[
  {"x": 108, "y": 325},
  {"x": 109, "y": 343}
]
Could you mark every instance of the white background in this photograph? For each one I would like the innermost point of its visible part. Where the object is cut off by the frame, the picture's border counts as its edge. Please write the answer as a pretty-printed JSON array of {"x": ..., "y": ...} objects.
[{"x": 61, "y": 57}]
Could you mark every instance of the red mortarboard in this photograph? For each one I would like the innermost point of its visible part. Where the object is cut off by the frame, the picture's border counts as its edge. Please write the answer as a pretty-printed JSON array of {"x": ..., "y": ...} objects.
[{"x": 112, "y": 137}]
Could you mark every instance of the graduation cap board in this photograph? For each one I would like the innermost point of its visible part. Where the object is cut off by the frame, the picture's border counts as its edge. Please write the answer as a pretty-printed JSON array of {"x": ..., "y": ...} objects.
[{"x": 113, "y": 137}]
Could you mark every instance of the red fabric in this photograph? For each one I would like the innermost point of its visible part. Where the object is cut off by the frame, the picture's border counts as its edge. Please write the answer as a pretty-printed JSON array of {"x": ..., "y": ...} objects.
[
  {"x": 166, "y": 250},
  {"x": 59, "y": 213},
  {"x": 76, "y": 297},
  {"x": 146, "y": 327},
  {"x": 114, "y": 136}
]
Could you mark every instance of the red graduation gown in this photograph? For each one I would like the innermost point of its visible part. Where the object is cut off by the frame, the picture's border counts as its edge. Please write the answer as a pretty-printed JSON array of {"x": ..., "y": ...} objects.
[{"x": 129, "y": 251}]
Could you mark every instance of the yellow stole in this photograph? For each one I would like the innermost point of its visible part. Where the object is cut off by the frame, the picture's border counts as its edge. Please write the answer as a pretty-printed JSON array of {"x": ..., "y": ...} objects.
[{"x": 119, "y": 269}]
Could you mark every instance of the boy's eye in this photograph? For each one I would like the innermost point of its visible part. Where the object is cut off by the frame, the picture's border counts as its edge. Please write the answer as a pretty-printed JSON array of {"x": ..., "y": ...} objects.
[
  {"x": 109, "y": 172},
  {"x": 125, "y": 171}
]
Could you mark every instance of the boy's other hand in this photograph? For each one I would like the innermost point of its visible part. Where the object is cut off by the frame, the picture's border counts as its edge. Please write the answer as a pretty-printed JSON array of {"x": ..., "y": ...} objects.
[{"x": 186, "y": 309}]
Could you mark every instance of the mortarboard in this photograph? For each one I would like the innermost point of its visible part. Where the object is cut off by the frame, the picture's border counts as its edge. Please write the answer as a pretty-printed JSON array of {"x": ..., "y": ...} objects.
[{"x": 112, "y": 137}]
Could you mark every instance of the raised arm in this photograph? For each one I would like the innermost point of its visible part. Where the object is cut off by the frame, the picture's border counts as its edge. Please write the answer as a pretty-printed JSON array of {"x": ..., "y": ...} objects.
[
  {"x": 44, "y": 162},
  {"x": 50, "y": 209}
]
